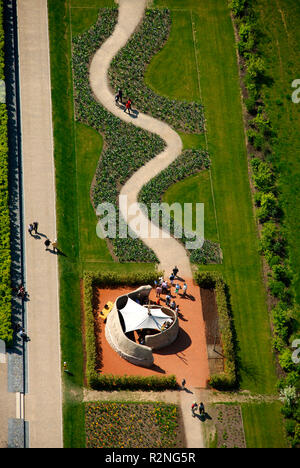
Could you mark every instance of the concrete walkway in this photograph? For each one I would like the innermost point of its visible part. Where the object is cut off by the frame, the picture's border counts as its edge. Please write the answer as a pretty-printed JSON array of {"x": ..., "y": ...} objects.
[
  {"x": 43, "y": 402},
  {"x": 168, "y": 250}
]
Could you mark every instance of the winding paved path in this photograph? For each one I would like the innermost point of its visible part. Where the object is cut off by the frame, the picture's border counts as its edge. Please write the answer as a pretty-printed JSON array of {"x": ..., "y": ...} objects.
[{"x": 168, "y": 250}]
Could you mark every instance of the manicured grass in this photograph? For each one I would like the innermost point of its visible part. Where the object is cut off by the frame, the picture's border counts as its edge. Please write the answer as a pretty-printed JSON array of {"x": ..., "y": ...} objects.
[
  {"x": 263, "y": 425},
  {"x": 88, "y": 150},
  {"x": 242, "y": 270},
  {"x": 184, "y": 64},
  {"x": 196, "y": 189},
  {"x": 85, "y": 13},
  {"x": 280, "y": 48}
]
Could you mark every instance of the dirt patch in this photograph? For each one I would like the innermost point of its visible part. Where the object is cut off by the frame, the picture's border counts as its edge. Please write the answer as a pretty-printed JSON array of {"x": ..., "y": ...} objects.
[
  {"x": 212, "y": 331},
  {"x": 229, "y": 426}
]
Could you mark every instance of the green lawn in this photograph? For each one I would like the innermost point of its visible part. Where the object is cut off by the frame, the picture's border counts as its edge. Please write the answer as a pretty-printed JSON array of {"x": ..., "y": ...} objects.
[
  {"x": 263, "y": 425},
  {"x": 214, "y": 51},
  {"x": 280, "y": 48}
]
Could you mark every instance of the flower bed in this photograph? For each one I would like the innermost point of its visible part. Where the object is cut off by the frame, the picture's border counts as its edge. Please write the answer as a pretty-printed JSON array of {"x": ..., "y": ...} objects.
[
  {"x": 189, "y": 162},
  {"x": 131, "y": 425},
  {"x": 6, "y": 332},
  {"x": 128, "y": 69},
  {"x": 99, "y": 381}
]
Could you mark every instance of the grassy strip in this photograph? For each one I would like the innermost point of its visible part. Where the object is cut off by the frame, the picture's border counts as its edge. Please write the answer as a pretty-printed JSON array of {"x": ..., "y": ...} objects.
[
  {"x": 126, "y": 425},
  {"x": 114, "y": 382},
  {"x": 258, "y": 419},
  {"x": 6, "y": 332},
  {"x": 213, "y": 280}
]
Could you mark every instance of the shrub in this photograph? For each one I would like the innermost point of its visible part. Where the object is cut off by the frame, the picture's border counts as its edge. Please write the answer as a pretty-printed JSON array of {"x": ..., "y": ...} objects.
[
  {"x": 262, "y": 175},
  {"x": 282, "y": 273},
  {"x": 285, "y": 360},
  {"x": 269, "y": 207},
  {"x": 238, "y": 7},
  {"x": 272, "y": 241}
]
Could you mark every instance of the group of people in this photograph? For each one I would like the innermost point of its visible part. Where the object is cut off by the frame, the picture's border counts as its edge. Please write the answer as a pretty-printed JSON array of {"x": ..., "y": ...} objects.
[
  {"x": 162, "y": 287},
  {"x": 195, "y": 407},
  {"x": 119, "y": 99},
  {"x": 33, "y": 228}
]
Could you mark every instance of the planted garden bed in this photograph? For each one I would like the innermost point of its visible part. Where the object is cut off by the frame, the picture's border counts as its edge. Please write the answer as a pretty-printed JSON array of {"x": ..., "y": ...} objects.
[{"x": 132, "y": 425}]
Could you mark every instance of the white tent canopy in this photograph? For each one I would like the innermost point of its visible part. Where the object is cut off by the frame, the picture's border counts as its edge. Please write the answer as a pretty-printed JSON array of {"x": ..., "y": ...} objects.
[{"x": 137, "y": 317}]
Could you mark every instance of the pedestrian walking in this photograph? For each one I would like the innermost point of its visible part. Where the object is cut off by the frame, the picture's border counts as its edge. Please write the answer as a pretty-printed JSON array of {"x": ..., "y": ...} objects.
[
  {"x": 183, "y": 384},
  {"x": 194, "y": 408},
  {"x": 119, "y": 97},
  {"x": 23, "y": 335},
  {"x": 47, "y": 244},
  {"x": 128, "y": 106},
  {"x": 164, "y": 287},
  {"x": 175, "y": 271},
  {"x": 35, "y": 227},
  {"x": 172, "y": 277},
  {"x": 158, "y": 291},
  {"x": 177, "y": 287},
  {"x": 184, "y": 289},
  {"x": 173, "y": 305},
  {"x": 168, "y": 299},
  {"x": 30, "y": 229},
  {"x": 54, "y": 245},
  {"x": 201, "y": 408},
  {"x": 177, "y": 309}
]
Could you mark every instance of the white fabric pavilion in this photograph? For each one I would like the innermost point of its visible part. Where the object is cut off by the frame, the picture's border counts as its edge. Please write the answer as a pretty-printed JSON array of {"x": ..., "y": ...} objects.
[{"x": 136, "y": 317}]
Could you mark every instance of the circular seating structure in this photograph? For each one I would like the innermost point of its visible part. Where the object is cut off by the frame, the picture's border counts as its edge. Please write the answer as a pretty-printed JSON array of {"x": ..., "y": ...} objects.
[{"x": 135, "y": 353}]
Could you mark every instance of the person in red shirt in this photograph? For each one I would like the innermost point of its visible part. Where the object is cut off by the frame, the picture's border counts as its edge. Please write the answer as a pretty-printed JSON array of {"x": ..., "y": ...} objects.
[{"x": 128, "y": 106}]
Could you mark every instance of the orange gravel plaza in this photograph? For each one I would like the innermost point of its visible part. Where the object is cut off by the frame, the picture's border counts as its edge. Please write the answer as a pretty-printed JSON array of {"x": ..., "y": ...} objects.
[{"x": 186, "y": 357}]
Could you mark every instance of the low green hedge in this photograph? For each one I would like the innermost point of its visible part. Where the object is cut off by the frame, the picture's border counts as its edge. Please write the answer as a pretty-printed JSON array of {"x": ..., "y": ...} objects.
[
  {"x": 108, "y": 381},
  {"x": 228, "y": 379},
  {"x": 6, "y": 332}
]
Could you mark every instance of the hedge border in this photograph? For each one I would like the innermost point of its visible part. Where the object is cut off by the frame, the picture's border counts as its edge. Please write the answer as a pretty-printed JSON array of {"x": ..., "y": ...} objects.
[
  {"x": 6, "y": 330},
  {"x": 110, "y": 381},
  {"x": 226, "y": 380}
]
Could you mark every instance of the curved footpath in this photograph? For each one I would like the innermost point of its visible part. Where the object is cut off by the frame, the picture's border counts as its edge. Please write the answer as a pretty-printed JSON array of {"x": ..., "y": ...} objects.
[{"x": 168, "y": 250}]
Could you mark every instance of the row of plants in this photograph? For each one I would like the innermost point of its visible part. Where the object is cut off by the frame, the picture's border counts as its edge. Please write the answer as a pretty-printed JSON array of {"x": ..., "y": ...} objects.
[
  {"x": 131, "y": 425},
  {"x": 127, "y": 147},
  {"x": 188, "y": 163},
  {"x": 6, "y": 332},
  {"x": 99, "y": 381},
  {"x": 270, "y": 215},
  {"x": 226, "y": 380},
  {"x": 128, "y": 68}
]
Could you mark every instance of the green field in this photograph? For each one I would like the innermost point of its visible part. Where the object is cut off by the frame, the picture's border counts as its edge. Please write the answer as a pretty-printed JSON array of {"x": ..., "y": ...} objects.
[
  {"x": 263, "y": 425},
  {"x": 212, "y": 40}
]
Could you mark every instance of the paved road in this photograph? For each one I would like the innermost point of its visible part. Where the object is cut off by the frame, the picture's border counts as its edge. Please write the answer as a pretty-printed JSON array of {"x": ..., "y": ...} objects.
[{"x": 43, "y": 403}]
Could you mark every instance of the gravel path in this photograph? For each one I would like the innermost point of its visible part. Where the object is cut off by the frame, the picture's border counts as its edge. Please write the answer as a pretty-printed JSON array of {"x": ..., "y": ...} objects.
[{"x": 167, "y": 250}]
